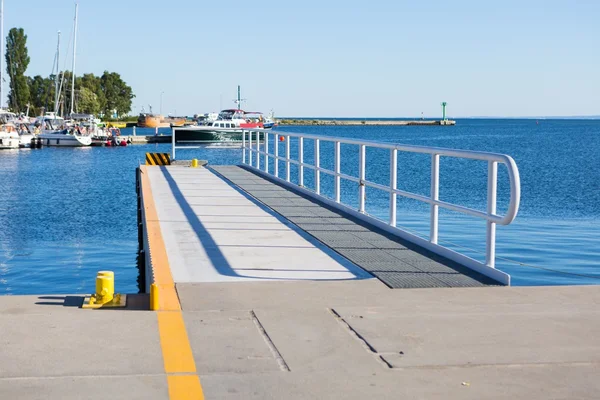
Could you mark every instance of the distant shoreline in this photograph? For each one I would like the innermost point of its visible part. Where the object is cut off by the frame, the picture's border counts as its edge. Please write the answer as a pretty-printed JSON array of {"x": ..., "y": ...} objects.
[
  {"x": 590, "y": 117},
  {"x": 363, "y": 122}
]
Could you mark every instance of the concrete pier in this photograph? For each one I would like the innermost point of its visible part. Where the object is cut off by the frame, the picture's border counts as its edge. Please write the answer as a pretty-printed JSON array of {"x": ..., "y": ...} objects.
[{"x": 252, "y": 305}]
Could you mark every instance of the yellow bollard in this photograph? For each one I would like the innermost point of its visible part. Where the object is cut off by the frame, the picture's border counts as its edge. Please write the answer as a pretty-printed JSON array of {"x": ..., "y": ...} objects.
[
  {"x": 194, "y": 163},
  {"x": 154, "y": 297},
  {"x": 105, "y": 286},
  {"x": 105, "y": 293}
]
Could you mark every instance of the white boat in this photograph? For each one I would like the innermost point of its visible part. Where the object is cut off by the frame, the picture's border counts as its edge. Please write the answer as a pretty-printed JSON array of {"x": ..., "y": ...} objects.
[
  {"x": 25, "y": 140},
  {"x": 65, "y": 138},
  {"x": 9, "y": 140},
  {"x": 226, "y": 128},
  {"x": 9, "y": 137}
]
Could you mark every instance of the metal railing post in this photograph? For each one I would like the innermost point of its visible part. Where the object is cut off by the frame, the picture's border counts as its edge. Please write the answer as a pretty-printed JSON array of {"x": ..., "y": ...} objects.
[
  {"x": 173, "y": 143},
  {"x": 490, "y": 248},
  {"x": 287, "y": 158},
  {"x": 250, "y": 149},
  {"x": 243, "y": 147},
  {"x": 337, "y": 178},
  {"x": 393, "y": 184},
  {"x": 317, "y": 166},
  {"x": 361, "y": 178},
  {"x": 267, "y": 152},
  {"x": 435, "y": 193},
  {"x": 276, "y": 155},
  {"x": 301, "y": 161},
  {"x": 257, "y": 151}
]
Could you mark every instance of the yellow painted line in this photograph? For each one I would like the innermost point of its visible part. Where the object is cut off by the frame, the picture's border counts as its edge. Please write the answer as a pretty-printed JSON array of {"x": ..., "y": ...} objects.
[
  {"x": 161, "y": 271},
  {"x": 185, "y": 387},
  {"x": 177, "y": 352},
  {"x": 182, "y": 380}
]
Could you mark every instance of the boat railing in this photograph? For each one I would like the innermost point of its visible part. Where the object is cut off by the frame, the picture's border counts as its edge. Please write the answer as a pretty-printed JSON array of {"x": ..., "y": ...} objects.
[{"x": 265, "y": 145}]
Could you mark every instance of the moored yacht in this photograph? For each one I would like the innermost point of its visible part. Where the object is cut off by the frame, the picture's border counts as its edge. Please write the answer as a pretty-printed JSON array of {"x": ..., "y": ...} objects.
[
  {"x": 228, "y": 126},
  {"x": 9, "y": 138}
]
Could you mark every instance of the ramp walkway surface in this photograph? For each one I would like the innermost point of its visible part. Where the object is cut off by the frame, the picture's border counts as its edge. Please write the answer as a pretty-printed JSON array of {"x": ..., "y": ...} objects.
[{"x": 227, "y": 223}]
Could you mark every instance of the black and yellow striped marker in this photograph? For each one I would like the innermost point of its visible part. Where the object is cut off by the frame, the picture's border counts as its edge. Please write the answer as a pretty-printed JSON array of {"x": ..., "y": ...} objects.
[{"x": 158, "y": 159}]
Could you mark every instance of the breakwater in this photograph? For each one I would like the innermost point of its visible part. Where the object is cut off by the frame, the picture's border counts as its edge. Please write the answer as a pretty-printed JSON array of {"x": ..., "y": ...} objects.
[{"x": 359, "y": 122}]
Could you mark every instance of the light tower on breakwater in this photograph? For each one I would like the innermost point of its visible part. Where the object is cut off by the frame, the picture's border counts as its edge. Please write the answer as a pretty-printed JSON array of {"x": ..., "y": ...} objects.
[{"x": 444, "y": 111}]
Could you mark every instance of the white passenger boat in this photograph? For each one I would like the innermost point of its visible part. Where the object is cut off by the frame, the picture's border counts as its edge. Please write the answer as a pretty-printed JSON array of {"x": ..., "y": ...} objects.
[{"x": 227, "y": 127}]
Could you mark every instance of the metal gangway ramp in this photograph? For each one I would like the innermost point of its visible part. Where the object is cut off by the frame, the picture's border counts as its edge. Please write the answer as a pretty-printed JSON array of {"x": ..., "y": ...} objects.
[{"x": 250, "y": 221}]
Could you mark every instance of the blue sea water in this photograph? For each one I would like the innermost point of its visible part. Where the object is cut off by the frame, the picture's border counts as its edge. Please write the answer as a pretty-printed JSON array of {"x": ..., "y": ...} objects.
[{"x": 67, "y": 213}]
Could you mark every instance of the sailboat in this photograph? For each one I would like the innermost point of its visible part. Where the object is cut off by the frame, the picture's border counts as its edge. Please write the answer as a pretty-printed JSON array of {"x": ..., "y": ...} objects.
[{"x": 51, "y": 134}]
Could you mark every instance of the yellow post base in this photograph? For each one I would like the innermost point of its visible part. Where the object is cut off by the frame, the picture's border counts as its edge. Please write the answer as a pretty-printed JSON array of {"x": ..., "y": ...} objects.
[
  {"x": 105, "y": 296},
  {"x": 194, "y": 163},
  {"x": 118, "y": 300},
  {"x": 154, "y": 297}
]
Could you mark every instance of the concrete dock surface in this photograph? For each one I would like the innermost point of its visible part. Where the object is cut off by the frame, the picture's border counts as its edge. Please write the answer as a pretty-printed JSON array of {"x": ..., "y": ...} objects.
[{"x": 313, "y": 340}]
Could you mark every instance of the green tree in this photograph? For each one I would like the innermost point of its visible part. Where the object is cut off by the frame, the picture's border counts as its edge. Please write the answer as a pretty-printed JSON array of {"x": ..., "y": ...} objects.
[
  {"x": 87, "y": 101},
  {"x": 117, "y": 93},
  {"x": 94, "y": 84},
  {"x": 41, "y": 93},
  {"x": 17, "y": 61}
]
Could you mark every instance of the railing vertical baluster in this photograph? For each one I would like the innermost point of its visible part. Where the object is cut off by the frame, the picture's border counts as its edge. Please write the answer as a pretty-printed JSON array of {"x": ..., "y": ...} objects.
[
  {"x": 243, "y": 147},
  {"x": 435, "y": 193},
  {"x": 361, "y": 177},
  {"x": 301, "y": 161},
  {"x": 287, "y": 158},
  {"x": 276, "y": 155},
  {"x": 172, "y": 143},
  {"x": 490, "y": 249},
  {"x": 317, "y": 166},
  {"x": 267, "y": 152},
  {"x": 393, "y": 185},
  {"x": 250, "y": 150},
  {"x": 337, "y": 178},
  {"x": 257, "y": 150}
]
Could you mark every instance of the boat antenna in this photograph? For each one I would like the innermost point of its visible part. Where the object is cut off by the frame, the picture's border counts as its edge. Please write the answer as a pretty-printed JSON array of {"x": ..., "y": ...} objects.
[
  {"x": 239, "y": 99},
  {"x": 74, "y": 56}
]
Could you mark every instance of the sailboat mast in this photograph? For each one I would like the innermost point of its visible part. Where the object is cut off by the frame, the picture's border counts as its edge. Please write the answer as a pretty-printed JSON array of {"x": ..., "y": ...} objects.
[
  {"x": 74, "y": 57},
  {"x": 1, "y": 51},
  {"x": 239, "y": 101},
  {"x": 56, "y": 90}
]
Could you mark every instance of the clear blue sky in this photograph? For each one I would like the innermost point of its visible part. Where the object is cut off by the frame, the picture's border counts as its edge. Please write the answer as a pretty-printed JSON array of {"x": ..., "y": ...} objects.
[{"x": 332, "y": 58}]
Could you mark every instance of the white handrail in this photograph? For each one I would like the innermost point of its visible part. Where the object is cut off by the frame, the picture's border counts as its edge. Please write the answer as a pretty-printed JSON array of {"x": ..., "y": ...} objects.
[{"x": 493, "y": 159}]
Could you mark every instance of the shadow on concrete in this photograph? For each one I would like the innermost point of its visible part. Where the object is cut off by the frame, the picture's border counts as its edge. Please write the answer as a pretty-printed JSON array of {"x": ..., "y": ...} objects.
[
  {"x": 135, "y": 302},
  {"x": 212, "y": 249},
  {"x": 65, "y": 301},
  {"x": 341, "y": 231}
]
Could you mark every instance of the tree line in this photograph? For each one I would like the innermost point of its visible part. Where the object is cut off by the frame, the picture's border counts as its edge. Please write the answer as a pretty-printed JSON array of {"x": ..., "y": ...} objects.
[{"x": 93, "y": 94}]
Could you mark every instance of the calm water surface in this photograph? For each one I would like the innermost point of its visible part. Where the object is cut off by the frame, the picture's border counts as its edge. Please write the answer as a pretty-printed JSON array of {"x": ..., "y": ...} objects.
[{"x": 67, "y": 213}]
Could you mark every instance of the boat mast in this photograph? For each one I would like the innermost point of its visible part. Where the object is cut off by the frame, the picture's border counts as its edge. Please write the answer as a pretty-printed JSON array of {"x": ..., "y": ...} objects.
[
  {"x": 74, "y": 56},
  {"x": 1, "y": 50},
  {"x": 239, "y": 99},
  {"x": 56, "y": 89}
]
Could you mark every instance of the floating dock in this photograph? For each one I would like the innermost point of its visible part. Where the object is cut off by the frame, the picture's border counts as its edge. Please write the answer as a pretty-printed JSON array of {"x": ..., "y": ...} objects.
[{"x": 263, "y": 293}]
